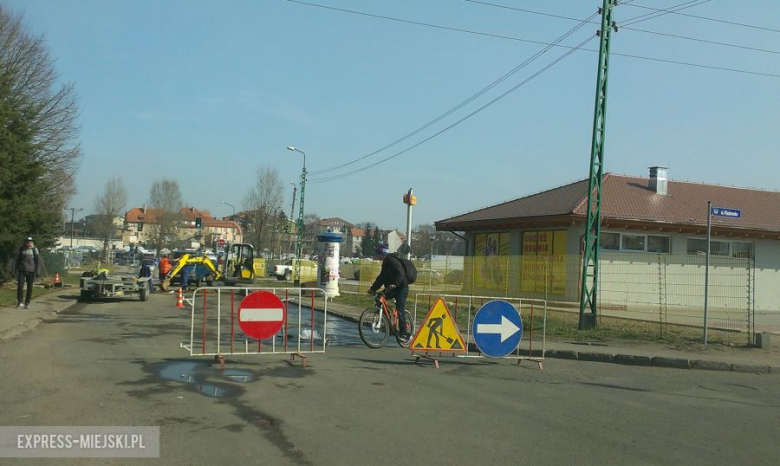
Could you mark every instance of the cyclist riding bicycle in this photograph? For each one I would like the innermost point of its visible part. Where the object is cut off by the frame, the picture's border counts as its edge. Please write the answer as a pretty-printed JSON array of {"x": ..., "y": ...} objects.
[{"x": 393, "y": 278}]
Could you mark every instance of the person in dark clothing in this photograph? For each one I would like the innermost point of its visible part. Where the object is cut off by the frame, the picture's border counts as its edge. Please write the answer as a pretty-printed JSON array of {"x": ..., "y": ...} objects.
[
  {"x": 27, "y": 265},
  {"x": 146, "y": 271},
  {"x": 393, "y": 278}
]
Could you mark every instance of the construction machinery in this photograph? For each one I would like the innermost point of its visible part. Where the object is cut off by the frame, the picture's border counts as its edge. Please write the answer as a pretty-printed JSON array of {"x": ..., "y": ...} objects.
[
  {"x": 234, "y": 267},
  {"x": 190, "y": 260},
  {"x": 238, "y": 265}
]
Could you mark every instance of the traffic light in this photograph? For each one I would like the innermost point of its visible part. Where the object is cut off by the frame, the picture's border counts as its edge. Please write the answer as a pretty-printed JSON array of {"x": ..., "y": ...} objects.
[{"x": 198, "y": 222}]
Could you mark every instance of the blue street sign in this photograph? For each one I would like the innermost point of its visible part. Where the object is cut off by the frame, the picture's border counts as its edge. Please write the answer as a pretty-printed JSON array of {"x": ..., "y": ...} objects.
[
  {"x": 497, "y": 329},
  {"x": 721, "y": 212}
]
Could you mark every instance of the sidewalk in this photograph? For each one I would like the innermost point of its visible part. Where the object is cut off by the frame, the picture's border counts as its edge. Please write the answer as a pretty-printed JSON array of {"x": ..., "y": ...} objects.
[
  {"x": 639, "y": 353},
  {"x": 14, "y": 322}
]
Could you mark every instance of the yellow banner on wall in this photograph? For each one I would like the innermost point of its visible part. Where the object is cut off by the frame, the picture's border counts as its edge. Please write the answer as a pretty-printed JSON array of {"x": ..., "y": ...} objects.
[
  {"x": 543, "y": 267},
  {"x": 491, "y": 253}
]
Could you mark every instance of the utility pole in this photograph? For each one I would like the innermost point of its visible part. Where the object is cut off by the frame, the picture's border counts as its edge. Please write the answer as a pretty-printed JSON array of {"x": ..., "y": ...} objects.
[
  {"x": 292, "y": 208},
  {"x": 590, "y": 260},
  {"x": 72, "y": 215}
]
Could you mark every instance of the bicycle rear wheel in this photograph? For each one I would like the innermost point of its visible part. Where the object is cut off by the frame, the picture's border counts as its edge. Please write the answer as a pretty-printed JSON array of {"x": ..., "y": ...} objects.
[
  {"x": 404, "y": 342},
  {"x": 373, "y": 327}
]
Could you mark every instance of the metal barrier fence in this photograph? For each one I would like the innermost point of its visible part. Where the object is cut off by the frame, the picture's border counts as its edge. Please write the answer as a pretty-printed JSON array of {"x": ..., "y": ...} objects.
[
  {"x": 533, "y": 313},
  {"x": 666, "y": 290},
  {"x": 215, "y": 330}
]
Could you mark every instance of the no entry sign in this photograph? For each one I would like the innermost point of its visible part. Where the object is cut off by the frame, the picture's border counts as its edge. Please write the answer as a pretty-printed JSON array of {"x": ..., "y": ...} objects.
[{"x": 261, "y": 315}]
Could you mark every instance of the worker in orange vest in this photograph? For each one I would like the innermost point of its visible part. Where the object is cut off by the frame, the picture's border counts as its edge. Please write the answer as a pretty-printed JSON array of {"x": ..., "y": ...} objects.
[{"x": 165, "y": 266}]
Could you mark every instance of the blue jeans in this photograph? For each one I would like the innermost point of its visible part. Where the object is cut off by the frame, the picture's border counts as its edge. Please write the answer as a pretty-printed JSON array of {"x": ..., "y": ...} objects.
[
  {"x": 185, "y": 277},
  {"x": 400, "y": 295}
]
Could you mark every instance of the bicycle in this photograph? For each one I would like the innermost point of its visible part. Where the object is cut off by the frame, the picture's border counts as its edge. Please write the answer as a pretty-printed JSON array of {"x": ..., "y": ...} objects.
[{"x": 374, "y": 324}]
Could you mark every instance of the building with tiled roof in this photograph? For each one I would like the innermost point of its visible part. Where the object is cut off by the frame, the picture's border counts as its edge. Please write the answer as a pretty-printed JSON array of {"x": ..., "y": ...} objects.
[
  {"x": 645, "y": 222},
  {"x": 139, "y": 222}
]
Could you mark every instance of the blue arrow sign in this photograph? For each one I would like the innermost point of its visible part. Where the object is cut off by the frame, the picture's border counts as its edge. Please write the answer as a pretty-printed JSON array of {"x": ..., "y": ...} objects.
[
  {"x": 497, "y": 329},
  {"x": 722, "y": 212}
]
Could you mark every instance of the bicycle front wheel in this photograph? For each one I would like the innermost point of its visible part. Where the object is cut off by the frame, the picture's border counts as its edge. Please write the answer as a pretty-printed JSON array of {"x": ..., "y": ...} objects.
[{"x": 373, "y": 328}]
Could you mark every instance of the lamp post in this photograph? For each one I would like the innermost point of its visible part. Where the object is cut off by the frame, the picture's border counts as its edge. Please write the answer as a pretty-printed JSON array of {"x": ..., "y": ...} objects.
[
  {"x": 234, "y": 220},
  {"x": 432, "y": 237},
  {"x": 299, "y": 241},
  {"x": 72, "y": 215}
]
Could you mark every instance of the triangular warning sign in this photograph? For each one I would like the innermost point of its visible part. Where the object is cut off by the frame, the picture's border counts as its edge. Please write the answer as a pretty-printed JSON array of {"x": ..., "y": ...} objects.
[{"x": 438, "y": 332}]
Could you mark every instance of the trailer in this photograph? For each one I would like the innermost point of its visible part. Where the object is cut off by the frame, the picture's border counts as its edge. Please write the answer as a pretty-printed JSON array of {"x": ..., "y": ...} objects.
[{"x": 102, "y": 286}]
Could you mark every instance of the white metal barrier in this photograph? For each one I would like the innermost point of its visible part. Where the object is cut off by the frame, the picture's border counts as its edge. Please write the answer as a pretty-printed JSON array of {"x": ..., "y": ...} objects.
[
  {"x": 529, "y": 310},
  {"x": 215, "y": 329}
]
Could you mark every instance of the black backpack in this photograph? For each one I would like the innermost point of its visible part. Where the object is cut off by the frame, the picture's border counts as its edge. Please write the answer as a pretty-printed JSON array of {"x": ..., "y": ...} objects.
[{"x": 409, "y": 270}]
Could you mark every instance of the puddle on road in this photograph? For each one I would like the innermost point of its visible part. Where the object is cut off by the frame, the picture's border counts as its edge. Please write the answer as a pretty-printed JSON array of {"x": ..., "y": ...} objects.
[{"x": 200, "y": 375}]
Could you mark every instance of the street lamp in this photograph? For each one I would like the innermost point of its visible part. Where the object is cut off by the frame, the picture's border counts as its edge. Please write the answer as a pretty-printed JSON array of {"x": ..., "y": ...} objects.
[
  {"x": 432, "y": 237},
  {"x": 299, "y": 242},
  {"x": 234, "y": 219}
]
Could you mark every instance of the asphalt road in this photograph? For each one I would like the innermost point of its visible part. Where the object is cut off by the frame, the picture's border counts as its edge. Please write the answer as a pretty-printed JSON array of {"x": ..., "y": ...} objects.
[{"x": 119, "y": 363}]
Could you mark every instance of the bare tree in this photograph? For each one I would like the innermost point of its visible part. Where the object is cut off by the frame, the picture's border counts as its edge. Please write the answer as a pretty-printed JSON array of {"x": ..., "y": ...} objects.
[
  {"x": 422, "y": 240},
  {"x": 165, "y": 198},
  {"x": 109, "y": 206},
  {"x": 262, "y": 204}
]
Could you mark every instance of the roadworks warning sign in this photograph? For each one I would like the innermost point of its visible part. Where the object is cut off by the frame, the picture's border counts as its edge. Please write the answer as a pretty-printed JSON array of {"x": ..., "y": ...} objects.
[{"x": 438, "y": 332}]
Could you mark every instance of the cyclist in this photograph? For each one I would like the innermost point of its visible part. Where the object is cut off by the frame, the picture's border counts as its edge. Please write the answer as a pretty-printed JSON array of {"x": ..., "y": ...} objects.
[{"x": 393, "y": 278}]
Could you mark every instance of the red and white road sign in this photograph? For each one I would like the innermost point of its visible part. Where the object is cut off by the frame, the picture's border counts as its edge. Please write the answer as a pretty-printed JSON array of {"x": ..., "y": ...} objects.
[
  {"x": 261, "y": 315},
  {"x": 220, "y": 242}
]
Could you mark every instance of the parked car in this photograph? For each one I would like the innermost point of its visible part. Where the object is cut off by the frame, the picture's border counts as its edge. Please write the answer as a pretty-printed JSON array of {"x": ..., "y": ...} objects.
[
  {"x": 455, "y": 277},
  {"x": 426, "y": 276}
]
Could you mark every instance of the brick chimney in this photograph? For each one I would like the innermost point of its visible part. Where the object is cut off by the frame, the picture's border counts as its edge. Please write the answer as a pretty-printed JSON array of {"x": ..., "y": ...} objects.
[{"x": 658, "y": 180}]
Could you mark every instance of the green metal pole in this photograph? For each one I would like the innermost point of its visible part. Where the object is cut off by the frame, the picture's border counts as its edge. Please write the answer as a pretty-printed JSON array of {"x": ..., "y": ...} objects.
[
  {"x": 299, "y": 245},
  {"x": 590, "y": 261}
]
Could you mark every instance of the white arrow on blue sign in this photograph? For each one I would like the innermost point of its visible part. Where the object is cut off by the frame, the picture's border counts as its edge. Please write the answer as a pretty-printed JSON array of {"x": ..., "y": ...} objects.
[{"x": 498, "y": 329}]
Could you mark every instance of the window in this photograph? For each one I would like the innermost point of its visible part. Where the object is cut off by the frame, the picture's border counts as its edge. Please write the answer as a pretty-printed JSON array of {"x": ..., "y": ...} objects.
[
  {"x": 635, "y": 243},
  {"x": 658, "y": 244},
  {"x": 744, "y": 250},
  {"x": 632, "y": 243},
  {"x": 699, "y": 246},
  {"x": 610, "y": 241},
  {"x": 719, "y": 248}
]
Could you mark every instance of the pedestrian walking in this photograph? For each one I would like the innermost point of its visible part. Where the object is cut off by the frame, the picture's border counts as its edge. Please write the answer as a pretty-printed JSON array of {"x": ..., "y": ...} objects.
[{"x": 27, "y": 266}]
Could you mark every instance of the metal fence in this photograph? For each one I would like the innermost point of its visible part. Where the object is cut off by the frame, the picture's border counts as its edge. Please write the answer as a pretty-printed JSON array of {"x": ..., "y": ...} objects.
[
  {"x": 215, "y": 329},
  {"x": 665, "y": 290}
]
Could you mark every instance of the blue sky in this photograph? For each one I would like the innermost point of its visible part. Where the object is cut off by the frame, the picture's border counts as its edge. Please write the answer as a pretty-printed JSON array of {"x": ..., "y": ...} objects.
[{"x": 207, "y": 92}]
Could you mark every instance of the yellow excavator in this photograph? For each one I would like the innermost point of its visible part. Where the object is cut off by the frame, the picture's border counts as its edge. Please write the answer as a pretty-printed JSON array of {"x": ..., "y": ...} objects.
[{"x": 237, "y": 266}]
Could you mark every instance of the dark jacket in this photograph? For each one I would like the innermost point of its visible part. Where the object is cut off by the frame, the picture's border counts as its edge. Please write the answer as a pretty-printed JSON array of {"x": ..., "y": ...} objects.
[
  {"x": 393, "y": 273},
  {"x": 28, "y": 260}
]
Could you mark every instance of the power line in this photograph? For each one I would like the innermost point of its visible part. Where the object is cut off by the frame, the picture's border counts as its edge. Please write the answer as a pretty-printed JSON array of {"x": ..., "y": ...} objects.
[
  {"x": 706, "y": 41},
  {"x": 514, "y": 88},
  {"x": 659, "y": 60},
  {"x": 716, "y": 20},
  {"x": 624, "y": 25},
  {"x": 431, "y": 25},
  {"x": 648, "y": 16},
  {"x": 469, "y": 100}
]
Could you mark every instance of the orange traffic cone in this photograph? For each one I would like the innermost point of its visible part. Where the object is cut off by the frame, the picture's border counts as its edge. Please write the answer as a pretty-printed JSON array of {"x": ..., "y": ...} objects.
[
  {"x": 57, "y": 282},
  {"x": 180, "y": 299}
]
